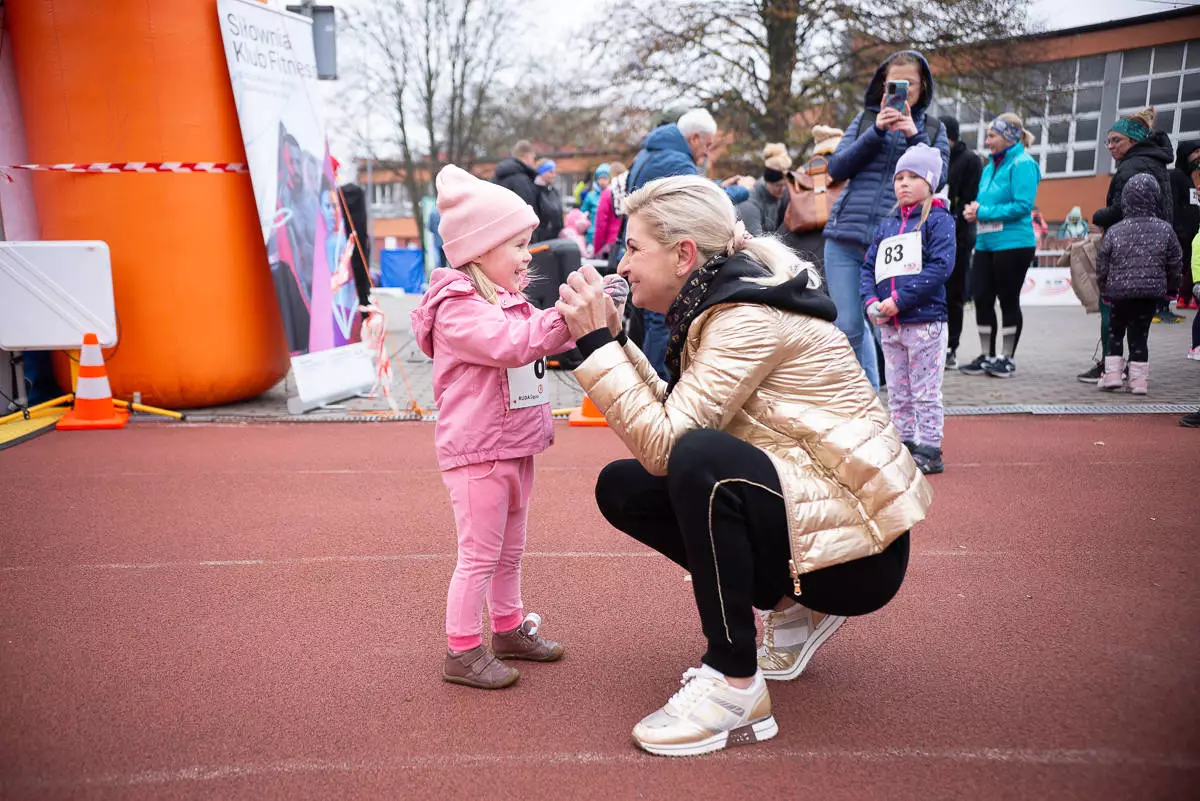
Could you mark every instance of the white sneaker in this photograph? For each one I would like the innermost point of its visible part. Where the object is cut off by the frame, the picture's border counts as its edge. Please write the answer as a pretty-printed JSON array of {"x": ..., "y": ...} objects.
[
  {"x": 1194, "y": 354},
  {"x": 790, "y": 639},
  {"x": 708, "y": 714}
]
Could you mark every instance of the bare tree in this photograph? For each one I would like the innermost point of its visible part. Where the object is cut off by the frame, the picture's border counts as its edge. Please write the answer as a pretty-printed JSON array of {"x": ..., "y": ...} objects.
[
  {"x": 761, "y": 62},
  {"x": 429, "y": 69}
]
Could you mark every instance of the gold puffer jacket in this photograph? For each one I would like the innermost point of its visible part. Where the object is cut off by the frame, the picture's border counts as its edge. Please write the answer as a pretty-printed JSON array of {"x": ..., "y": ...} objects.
[{"x": 790, "y": 385}]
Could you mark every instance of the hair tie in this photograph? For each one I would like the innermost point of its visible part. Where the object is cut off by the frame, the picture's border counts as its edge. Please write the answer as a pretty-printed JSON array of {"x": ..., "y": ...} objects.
[{"x": 740, "y": 239}]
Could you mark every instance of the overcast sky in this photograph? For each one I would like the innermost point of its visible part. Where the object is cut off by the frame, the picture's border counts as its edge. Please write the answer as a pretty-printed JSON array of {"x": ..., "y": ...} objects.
[{"x": 555, "y": 24}]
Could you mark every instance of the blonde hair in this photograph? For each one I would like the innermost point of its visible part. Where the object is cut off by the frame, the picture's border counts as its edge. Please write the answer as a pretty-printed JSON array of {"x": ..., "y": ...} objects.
[
  {"x": 483, "y": 284},
  {"x": 1026, "y": 136},
  {"x": 691, "y": 207},
  {"x": 1147, "y": 116},
  {"x": 776, "y": 157},
  {"x": 616, "y": 169}
]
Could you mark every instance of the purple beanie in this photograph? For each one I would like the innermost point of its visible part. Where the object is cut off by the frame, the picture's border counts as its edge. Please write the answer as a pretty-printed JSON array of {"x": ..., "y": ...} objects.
[{"x": 924, "y": 162}]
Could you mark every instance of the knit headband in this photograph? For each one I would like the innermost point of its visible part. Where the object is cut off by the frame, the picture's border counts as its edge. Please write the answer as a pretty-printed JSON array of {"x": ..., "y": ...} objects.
[
  {"x": 1134, "y": 129},
  {"x": 546, "y": 167},
  {"x": 1009, "y": 130},
  {"x": 771, "y": 175}
]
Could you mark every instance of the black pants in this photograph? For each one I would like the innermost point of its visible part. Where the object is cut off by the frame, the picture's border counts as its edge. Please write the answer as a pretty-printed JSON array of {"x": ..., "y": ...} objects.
[
  {"x": 1132, "y": 318},
  {"x": 741, "y": 562},
  {"x": 1000, "y": 274},
  {"x": 956, "y": 285}
]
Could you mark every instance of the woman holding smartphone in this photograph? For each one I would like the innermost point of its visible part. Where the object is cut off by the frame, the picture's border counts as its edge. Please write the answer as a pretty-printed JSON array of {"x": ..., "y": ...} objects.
[{"x": 889, "y": 124}]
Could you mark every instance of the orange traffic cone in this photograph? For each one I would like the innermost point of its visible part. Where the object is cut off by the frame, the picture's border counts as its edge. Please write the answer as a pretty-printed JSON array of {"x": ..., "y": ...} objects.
[
  {"x": 93, "y": 406},
  {"x": 587, "y": 415}
]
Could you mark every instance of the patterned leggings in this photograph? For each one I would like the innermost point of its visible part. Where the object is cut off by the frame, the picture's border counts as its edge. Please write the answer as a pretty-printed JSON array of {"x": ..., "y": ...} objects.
[{"x": 914, "y": 356}]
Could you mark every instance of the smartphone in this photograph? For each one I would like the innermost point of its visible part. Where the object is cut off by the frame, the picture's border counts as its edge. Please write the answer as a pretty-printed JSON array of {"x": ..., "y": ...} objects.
[{"x": 896, "y": 95}]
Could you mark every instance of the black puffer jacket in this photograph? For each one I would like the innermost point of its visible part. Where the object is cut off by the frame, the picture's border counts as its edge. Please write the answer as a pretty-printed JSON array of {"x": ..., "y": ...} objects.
[
  {"x": 1139, "y": 257},
  {"x": 1187, "y": 213},
  {"x": 1151, "y": 155},
  {"x": 965, "y": 171},
  {"x": 549, "y": 210},
  {"x": 517, "y": 176}
]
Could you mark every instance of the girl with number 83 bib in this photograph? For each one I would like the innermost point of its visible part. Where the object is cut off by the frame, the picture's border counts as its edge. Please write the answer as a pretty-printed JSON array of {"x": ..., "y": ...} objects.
[
  {"x": 488, "y": 345},
  {"x": 903, "y": 287}
]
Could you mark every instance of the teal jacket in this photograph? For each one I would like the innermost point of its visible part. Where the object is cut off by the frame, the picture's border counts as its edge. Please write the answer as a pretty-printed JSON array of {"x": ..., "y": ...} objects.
[{"x": 1006, "y": 196}]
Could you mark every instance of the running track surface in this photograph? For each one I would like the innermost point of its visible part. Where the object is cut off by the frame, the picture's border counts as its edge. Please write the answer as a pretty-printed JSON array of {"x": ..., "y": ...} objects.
[{"x": 256, "y": 612}]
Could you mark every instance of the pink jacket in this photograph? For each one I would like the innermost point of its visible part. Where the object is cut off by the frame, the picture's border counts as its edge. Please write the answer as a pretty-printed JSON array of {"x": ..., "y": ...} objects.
[
  {"x": 472, "y": 343},
  {"x": 608, "y": 224}
]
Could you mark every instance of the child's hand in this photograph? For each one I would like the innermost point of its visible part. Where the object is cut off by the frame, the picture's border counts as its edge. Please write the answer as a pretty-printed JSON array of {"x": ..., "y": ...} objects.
[
  {"x": 617, "y": 290},
  {"x": 875, "y": 316},
  {"x": 888, "y": 308}
]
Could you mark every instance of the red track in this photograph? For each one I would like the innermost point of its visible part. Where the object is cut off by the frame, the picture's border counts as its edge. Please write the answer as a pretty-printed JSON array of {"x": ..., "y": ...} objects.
[{"x": 1044, "y": 646}]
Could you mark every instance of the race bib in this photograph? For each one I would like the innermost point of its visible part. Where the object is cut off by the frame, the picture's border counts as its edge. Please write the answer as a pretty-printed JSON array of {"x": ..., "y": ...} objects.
[
  {"x": 527, "y": 385},
  {"x": 990, "y": 227},
  {"x": 898, "y": 255},
  {"x": 1194, "y": 196}
]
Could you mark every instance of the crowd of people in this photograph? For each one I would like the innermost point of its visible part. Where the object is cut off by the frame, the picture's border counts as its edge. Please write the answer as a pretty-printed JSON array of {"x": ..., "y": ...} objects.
[{"x": 763, "y": 460}]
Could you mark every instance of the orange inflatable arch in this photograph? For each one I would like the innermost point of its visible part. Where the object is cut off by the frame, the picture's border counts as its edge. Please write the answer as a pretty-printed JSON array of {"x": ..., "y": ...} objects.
[{"x": 131, "y": 80}]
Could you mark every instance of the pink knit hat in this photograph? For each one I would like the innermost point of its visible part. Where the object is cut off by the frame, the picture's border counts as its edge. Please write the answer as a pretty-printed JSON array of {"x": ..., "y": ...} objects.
[{"x": 477, "y": 215}]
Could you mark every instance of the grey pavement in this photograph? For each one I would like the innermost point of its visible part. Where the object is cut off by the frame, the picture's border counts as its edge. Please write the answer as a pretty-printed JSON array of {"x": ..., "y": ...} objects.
[{"x": 1057, "y": 343}]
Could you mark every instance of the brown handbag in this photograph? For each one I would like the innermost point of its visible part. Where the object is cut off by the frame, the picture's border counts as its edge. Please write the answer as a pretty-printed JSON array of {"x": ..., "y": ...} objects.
[{"x": 810, "y": 196}]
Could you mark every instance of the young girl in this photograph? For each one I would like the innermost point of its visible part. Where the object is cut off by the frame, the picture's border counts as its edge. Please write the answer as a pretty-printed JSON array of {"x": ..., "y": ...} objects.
[
  {"x": 903, "y": 287},
  {"x": 1138, "y": 262},
  {"x": 489, "y": 380}
]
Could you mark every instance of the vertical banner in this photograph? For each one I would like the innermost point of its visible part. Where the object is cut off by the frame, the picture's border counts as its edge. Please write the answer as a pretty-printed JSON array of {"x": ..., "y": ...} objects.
[{"x": 273, "y": 72}]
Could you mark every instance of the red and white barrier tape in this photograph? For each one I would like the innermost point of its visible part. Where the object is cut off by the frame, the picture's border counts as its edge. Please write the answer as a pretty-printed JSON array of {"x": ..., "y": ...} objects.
[
  {"x": 374, "y": 334},
  {"x": 132, "y": 166}
]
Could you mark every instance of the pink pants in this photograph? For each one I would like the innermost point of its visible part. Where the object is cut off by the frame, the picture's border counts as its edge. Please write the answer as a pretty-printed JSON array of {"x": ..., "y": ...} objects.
[{"x": 491, "y": 503}]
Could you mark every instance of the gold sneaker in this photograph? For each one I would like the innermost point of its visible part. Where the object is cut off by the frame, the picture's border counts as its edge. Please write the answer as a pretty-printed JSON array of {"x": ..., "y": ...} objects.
[
  {"x": 790, "y": 639},
  {"x": 708, "y": 714}
]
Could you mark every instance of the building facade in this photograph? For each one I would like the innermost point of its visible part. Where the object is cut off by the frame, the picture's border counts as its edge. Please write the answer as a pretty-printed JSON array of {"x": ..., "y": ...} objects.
[{"x": 1093, "y": 75}]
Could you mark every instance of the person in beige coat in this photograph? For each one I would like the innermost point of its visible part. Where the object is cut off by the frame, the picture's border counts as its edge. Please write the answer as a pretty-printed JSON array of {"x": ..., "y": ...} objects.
[{"x": 766, "y": 465}]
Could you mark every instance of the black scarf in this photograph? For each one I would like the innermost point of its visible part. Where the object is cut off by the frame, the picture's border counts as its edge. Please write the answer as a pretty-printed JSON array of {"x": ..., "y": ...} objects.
[{"x": 683, "y": 311}]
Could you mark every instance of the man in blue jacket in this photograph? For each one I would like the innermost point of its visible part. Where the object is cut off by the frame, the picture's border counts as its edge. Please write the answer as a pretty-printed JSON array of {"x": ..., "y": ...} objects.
[{"x": 679, "y": 149}]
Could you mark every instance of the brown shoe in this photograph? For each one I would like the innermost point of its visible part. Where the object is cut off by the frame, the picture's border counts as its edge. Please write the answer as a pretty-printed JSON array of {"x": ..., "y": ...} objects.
[
  {"x": 478, "y": 668},
  {"x": 524, "y": 642}
]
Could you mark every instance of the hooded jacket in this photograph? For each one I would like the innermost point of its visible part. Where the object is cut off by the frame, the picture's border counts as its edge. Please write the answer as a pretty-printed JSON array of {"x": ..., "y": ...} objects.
[
  {"x": 1140, "y": 256},
  {"x": 868, "y": 158},
  {"x": 767, "y": 365},
  {"x": 665, "y": 152},
  {"x": 921, "y": 298},
  {"x": 1184, "y": 198},
  {"x": 1074, "y": 227},
  {"x": 473, "y": 343},
  {"x": 1007, "y": 192},
  {"x": 1151, "y": 155}
]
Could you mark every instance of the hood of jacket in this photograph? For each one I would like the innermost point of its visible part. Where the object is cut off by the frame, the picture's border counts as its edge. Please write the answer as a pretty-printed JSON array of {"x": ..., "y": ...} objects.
[
  {"x": 794, "y": 295},
  {"x": 513, "y": 166},
  {"x": 1157, "y": 146},
  {"x": 1182, "y": 151},
  {"x": 669, "y": 138},
  {"x": 1139, "y": 198},
  {"x": 875, "y": 88},
  {"x": 446, "y": 282}
]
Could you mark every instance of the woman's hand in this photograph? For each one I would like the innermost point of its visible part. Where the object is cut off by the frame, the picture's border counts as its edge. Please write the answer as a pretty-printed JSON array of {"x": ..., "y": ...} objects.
[
  {"x": 887, "y": 118},
  {"x": 971, "y": 211},
  {"x": 905, "y": 124},
  {"x": 582, "y": 302}
]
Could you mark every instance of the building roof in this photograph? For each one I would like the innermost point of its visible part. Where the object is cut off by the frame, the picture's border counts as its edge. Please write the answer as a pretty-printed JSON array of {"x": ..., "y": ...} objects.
[{"x": 1114, "y": 24}]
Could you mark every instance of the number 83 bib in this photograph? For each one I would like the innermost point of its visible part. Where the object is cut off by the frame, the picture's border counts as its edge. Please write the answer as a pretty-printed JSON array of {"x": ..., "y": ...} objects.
[{"x": 898, "y": 255}]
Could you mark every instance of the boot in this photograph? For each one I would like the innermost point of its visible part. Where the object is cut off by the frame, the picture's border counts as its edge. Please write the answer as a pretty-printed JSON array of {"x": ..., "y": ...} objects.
[
  {"x": 1139, "y": 377},
  {"x": 1111, "y": 379}
]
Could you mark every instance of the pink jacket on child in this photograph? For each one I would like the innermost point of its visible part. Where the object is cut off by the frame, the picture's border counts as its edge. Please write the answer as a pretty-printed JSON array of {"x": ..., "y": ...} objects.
[
  {"x": 608, "y": 224},
  {"x": 473, "y": 344}
]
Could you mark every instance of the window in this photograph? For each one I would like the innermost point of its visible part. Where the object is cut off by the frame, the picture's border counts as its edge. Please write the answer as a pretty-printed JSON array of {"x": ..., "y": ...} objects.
[
  {"x": 1168, "y": 78},
  {"x": 1066, "y": 125}
]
